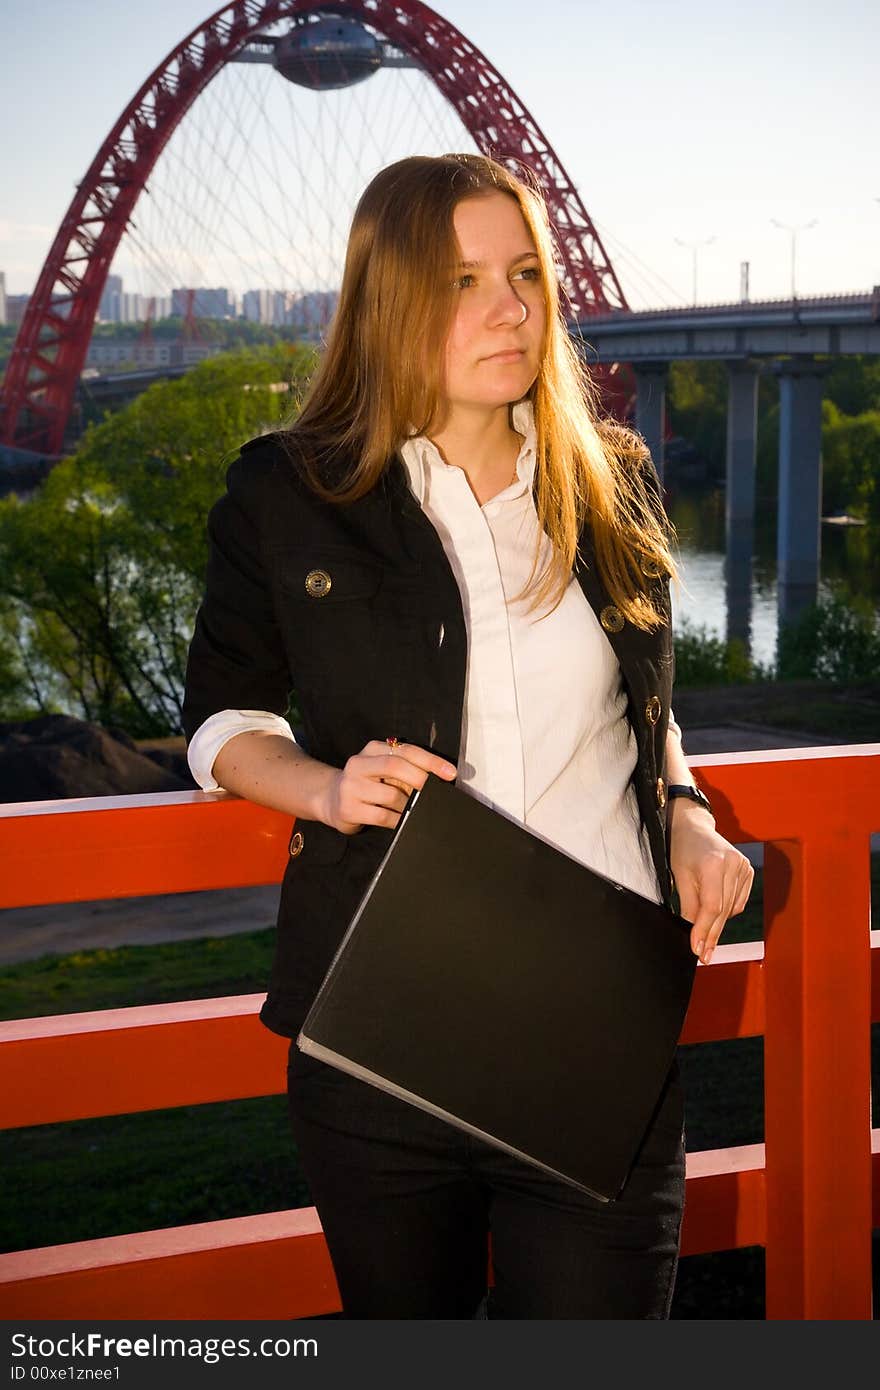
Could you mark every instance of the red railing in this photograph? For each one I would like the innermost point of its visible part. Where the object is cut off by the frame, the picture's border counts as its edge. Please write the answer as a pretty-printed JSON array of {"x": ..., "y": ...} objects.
[{"x": 812, "y": 989}]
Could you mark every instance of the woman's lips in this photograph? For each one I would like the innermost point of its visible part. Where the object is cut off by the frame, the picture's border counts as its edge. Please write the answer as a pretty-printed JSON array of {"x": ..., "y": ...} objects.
[{"x": 512, "y": 355}]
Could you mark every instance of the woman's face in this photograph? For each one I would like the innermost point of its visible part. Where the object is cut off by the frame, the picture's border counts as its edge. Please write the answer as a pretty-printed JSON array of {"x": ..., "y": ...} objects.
[{"x": 494, "y": 345}]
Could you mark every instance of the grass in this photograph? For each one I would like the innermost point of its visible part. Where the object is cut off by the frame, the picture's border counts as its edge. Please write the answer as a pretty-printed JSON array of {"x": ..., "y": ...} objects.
[
  {"x": 205, "y": 968},
  {"x": 846, "y": 713},
  {"x": 202, "y": 1163}
]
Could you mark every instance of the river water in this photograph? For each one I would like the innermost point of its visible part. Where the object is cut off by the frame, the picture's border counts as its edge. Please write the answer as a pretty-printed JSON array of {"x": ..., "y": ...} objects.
[{"x": 850, "y": 566}]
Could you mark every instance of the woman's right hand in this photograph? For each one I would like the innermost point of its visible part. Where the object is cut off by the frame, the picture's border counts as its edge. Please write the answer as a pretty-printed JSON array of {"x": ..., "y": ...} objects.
[{"x": 373, "y": 786}]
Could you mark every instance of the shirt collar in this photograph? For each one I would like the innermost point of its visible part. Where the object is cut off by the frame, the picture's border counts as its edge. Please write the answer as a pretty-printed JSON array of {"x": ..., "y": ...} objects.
[{"x": 420, "y": 455}]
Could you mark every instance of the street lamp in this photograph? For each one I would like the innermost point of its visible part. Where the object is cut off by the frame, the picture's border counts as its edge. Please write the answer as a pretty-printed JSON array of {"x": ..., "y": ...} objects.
[
  {"x": 793, "y": 231},
  {"x": 694, "y": 246}
]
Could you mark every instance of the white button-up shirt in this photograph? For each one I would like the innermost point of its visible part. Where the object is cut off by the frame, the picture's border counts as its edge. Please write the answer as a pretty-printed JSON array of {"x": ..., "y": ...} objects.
[{"x": 545, "y": 738}]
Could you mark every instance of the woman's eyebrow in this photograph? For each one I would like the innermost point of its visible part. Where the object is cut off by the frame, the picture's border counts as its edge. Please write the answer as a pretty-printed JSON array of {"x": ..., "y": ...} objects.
[{"x": 477, "y": 265}]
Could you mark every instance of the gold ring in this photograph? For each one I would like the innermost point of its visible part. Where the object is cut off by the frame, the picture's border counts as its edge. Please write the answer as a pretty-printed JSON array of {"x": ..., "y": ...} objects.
[{"x": 393, "y": 742}]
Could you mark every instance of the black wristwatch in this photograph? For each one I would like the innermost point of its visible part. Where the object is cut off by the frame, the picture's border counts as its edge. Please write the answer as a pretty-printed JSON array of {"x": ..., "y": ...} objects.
[{"x": 693, "y": 793}]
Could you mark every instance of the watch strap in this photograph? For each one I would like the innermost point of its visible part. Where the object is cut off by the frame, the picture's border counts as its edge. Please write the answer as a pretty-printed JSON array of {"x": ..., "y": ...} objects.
[{"x": 692, "y": 793}]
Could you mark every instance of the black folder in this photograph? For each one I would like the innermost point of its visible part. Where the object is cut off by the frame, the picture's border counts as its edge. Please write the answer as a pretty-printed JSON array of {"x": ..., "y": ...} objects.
[{"x": 500, "y": 984}]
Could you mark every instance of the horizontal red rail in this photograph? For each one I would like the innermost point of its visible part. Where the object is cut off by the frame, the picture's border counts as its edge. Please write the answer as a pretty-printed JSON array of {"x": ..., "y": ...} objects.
[
  {"x": 118, "y": 1061},
  {"x": 133, "y": 846}
]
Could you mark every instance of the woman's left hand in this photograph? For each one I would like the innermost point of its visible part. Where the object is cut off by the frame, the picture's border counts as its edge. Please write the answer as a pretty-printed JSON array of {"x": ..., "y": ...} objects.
[{"x": 712, "y": 878}]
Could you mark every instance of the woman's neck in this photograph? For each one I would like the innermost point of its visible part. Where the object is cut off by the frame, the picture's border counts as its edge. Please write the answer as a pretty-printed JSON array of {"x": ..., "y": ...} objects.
[{"x": 483, "y": 445}]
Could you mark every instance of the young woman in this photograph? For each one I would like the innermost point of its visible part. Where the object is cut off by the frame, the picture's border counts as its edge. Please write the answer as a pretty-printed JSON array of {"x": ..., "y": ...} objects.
[{"x": 460, "y": 569}]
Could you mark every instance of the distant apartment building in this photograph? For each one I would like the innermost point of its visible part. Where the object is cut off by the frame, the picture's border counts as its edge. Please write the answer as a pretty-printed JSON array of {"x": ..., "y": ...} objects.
[
  {"x": 118, "y": 306},
  {"x": 105, "y": 356},
  {"x": 110, "y": 302},
  {"x": 206, "y": 303},
  {"x": 15, "y": 307},
  {"x": 135, "y": 308},
  {"x": 308, "y": 313},
  {"x": 272, "y": 307},
  {"x": 313, "y": 311},
  {"x": 2, "y": 296},
  {"x": 139, "y": 308},
  {"x": 257, "y": 306}
]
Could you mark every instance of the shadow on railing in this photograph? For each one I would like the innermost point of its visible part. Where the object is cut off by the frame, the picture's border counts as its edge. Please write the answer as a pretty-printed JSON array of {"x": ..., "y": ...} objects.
[{"x": 812, "y": 989}]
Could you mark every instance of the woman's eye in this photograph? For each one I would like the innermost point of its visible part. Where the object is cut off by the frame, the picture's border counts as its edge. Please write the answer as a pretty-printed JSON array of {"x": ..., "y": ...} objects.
[
  {"x": 529, "y": 272},
  {"x": 464, "y": 282}
]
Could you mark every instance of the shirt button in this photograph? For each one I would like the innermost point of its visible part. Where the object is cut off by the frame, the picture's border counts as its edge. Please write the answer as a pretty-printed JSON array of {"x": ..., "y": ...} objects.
[
  {"x": 650, "y": 568},
  {"x": 661, "y": 792},
  {"x": 318, "y": 583},
  {"x": 611, "y": 618},
  {"x": 296, "y": 844},
  {"x": 652, "y": 709}
]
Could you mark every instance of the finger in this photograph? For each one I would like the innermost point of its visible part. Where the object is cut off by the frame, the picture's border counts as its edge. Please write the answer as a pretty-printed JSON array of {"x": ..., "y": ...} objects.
[
  {"x": 426, "y": 760},
  {"x": 414, "y": 756},
  {"x": 377, "y": 817},
  {"x": 710, "y": 916},
  {"x": 367, "y": 801},
  {"x": 713, "y": 936},
  {"x": 733, "y": 900},
  {"x": 702, "y": 906},
  {"x": 747, "y": 881},
  {"x": 398, "y": 768},
  {"x": 744, "y": 890},
  {"x": 376, "y": 792},
  {"x": 401, "y": 786}
]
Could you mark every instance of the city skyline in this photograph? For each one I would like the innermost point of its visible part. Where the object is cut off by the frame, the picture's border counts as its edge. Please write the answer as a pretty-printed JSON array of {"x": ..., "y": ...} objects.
[
  {"x": 695, "y": 148},
  {"x": 264, "y": 305}
]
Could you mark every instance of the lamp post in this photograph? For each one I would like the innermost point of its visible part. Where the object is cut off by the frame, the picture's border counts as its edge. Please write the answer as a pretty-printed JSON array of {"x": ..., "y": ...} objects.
[
  {"x": 693, "y": 247},
  {"x": 793, "y": 232}
]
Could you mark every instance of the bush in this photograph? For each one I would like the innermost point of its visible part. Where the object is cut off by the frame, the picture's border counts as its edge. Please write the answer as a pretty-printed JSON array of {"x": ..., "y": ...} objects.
[
  {"x": 701, "y": 659},
  {"x": 836, "y": 640}
]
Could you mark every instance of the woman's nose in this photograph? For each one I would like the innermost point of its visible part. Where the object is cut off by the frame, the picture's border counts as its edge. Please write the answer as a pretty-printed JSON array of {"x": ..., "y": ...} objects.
[{"x": 508, "y": 308}]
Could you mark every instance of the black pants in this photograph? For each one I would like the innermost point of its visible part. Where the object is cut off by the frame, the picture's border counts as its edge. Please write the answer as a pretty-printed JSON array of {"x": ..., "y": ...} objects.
[{"x": 407, "y": 1203}]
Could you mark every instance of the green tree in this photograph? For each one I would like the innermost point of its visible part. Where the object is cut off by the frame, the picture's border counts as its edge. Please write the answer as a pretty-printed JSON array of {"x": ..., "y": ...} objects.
[
  {"x": 851, "y": 461},
  {"x": 837, "y": 639},
  {"x": 853, "y": 384},
  {"x": 104, "y": 566},
  {"x": 697, "y": 408}
]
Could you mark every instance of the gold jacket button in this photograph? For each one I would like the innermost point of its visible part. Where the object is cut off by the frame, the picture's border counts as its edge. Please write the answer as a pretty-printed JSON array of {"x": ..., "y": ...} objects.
[
  {"x": 611, "y": 618},
  {"x": 296, "y": 844},
  {"x": 650, "y": 568},
  {"x": 318, "y": 583},
  {"x": 652, "y": 709},
  {"x": 661, "y": 792}
]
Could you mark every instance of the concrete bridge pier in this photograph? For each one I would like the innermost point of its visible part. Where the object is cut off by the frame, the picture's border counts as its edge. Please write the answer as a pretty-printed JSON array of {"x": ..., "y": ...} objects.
[
  {"x": 800, "y": 485},
  {"x": 651, "y": 407},
  {"x": 742, "y": 438},
  {"x": 742, "y": 434}
]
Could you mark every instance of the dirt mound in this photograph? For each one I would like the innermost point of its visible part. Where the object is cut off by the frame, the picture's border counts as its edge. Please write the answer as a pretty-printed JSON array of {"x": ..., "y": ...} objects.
[{"x": 56, "y": 756}]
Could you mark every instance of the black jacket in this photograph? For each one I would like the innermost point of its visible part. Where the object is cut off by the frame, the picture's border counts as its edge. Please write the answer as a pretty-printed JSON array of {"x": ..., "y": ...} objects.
[{"x": 344, "y": 606}]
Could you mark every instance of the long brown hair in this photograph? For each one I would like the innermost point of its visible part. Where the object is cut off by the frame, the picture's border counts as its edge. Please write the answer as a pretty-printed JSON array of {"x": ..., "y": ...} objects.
[{"x": 380, "y": 380}]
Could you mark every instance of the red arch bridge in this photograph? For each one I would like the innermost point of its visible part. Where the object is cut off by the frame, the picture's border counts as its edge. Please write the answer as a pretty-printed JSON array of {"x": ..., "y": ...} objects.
[{"x": 321, "y": 48}]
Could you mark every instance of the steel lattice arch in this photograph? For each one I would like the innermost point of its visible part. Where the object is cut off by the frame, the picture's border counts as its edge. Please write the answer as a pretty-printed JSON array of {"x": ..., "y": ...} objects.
[{"x": 53, "y": 339}]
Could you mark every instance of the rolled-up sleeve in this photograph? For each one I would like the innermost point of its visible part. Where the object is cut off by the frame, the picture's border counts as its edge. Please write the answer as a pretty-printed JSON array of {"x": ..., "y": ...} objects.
[
  {"x": 216, "y": 732},
  {"x": 236, "y": 657}
]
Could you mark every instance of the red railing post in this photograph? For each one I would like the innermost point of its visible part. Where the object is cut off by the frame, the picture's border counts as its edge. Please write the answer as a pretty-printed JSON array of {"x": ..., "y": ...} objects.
[{"x": 817, "y": 1074}]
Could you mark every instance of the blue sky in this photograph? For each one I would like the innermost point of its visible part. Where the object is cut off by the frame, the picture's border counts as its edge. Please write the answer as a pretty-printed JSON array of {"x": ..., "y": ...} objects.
[{"x": 677, "y": 121}]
